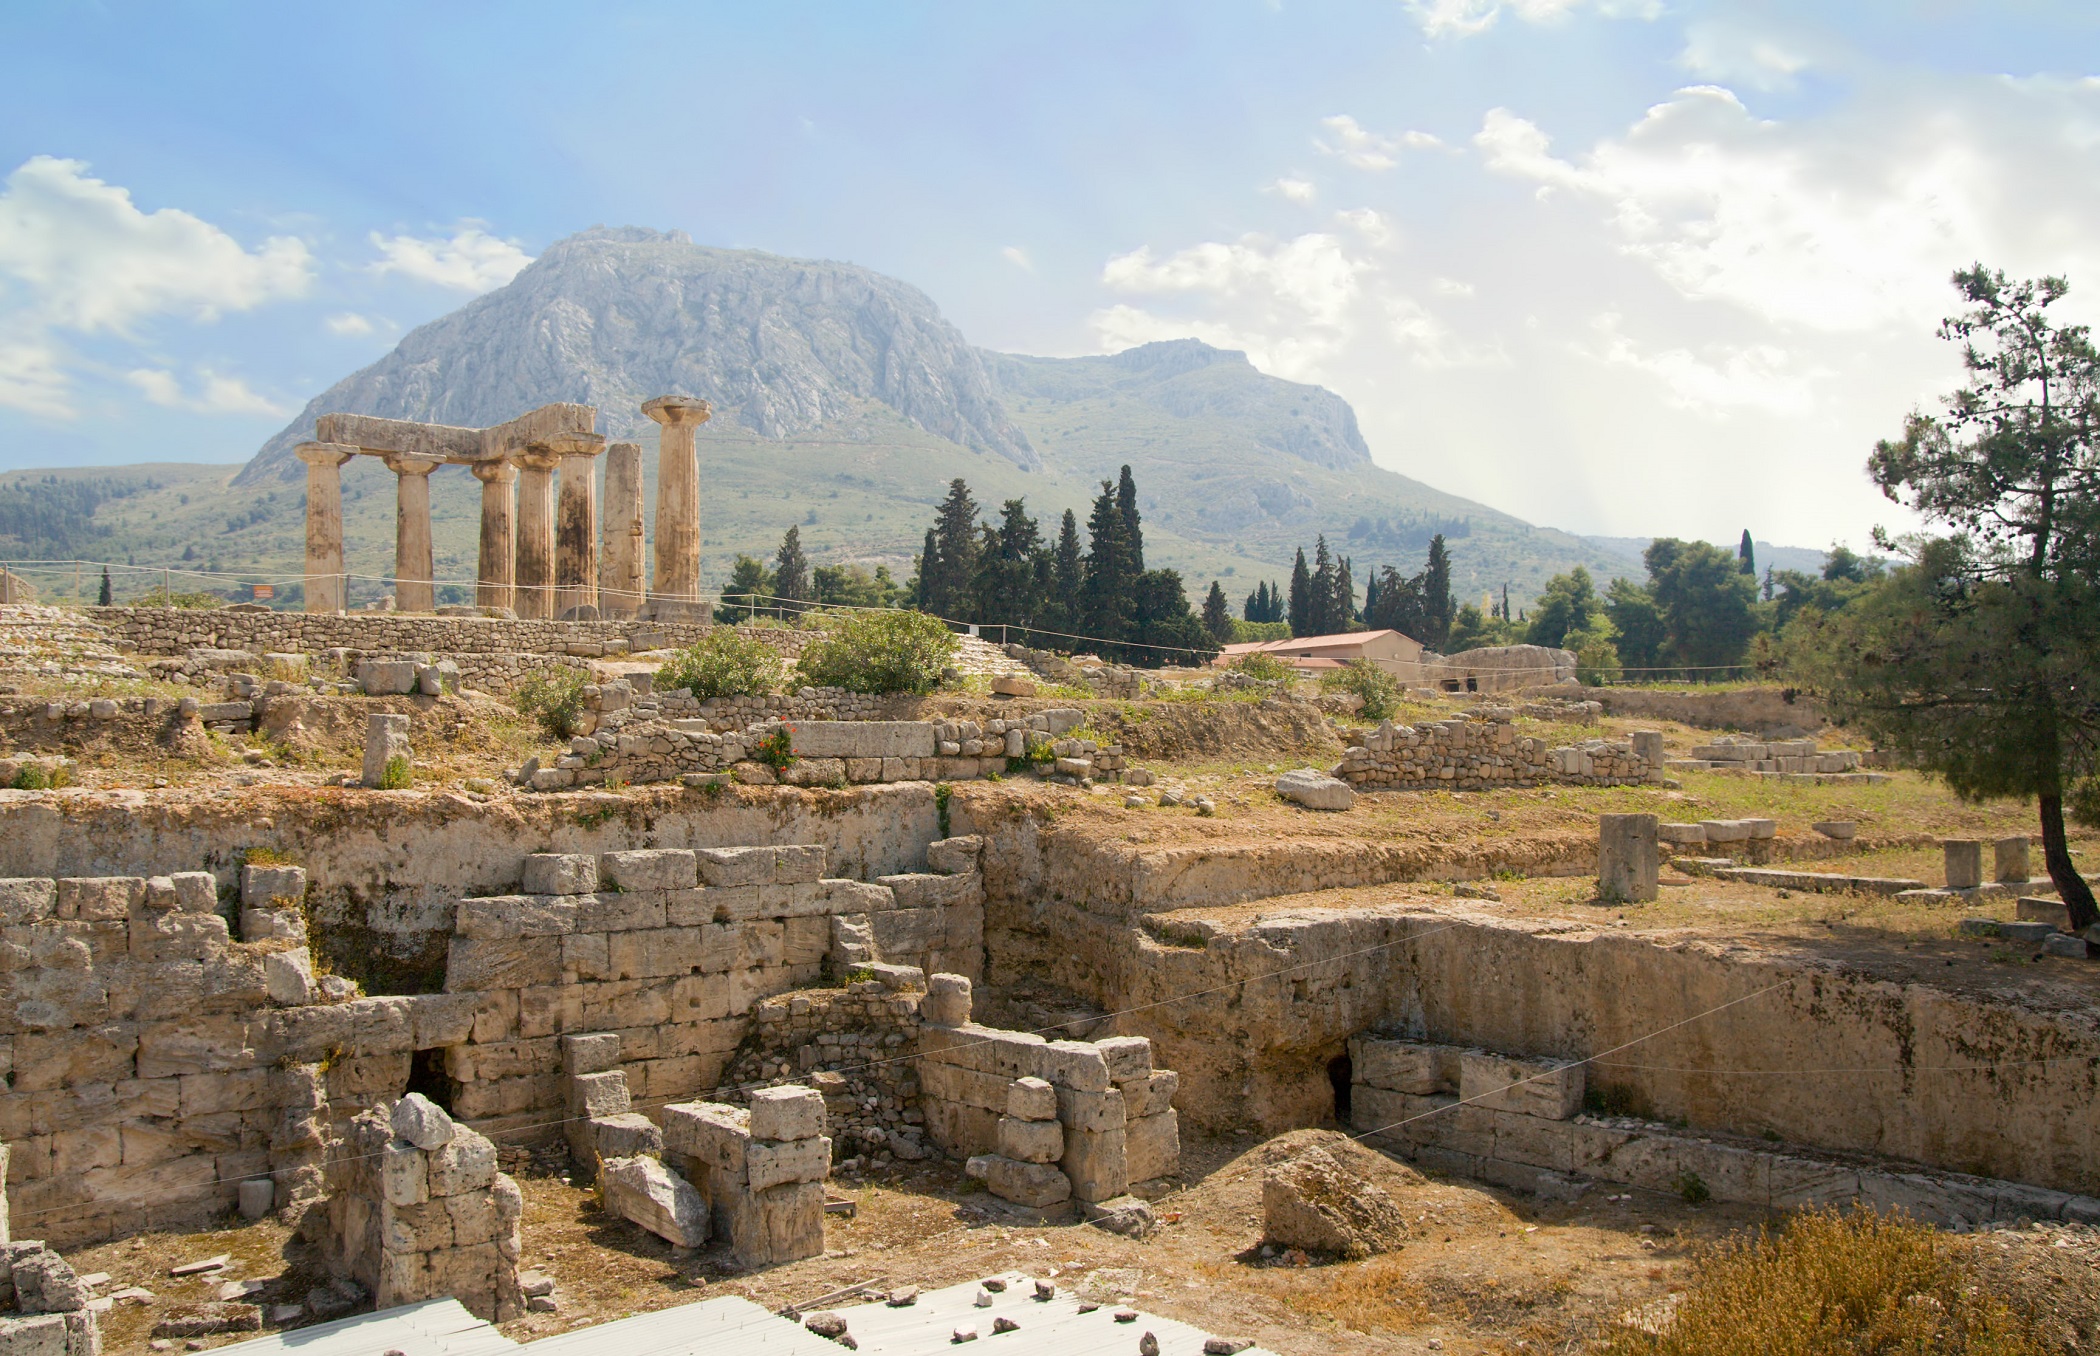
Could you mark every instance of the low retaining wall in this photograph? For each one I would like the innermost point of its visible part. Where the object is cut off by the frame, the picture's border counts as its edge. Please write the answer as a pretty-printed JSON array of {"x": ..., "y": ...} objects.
[
  {"x": 1472, "y": 754},
  {"x": 1774, "y": 712}
]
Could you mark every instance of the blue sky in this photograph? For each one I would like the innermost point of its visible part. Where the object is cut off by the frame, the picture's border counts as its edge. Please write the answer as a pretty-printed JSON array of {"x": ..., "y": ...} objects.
[{"x": 1624, "y": 266}]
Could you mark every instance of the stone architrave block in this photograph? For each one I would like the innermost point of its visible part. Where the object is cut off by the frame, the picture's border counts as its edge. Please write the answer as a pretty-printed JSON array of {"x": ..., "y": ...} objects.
[
  {"x": 1128, "y": 1057},
  {"x": 647, "y": 1193},
  {"x": 771, "y": 1163},
  {"x": 1628, "y": 860},
  {"x": 1096, "y": 1163},
  {"x": 386, "y": 739},
  {"x": 263, "y": 886},
  {"x": 1152, "y": 1094},
  {"x": 1031, "y": 1099},
  {"x": 954, "y": 856},
  {"x": 589, "y": 1054},
  {"x": 1031, "y": 1141},
  {"x": 863, "y": 739},
  {"x": 947, "y": 1001},
  {"x": 651, "y": 869},
  {"x": 560, "y": 873},
  {"x": 1152, "y": 1146},
  {"x": 790, "y": 1112},
  {"x": 1533, "y": 1087},
  {"x": 1397, "y": 1066}
]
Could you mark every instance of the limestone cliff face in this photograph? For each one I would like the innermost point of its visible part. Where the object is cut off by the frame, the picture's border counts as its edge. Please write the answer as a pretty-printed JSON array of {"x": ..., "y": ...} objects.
[{"x": 611, "y": 317}]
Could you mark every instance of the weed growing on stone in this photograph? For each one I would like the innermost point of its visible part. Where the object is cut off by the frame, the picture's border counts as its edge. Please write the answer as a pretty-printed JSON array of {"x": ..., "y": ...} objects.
[
  {"x": 395, "y": 776},
  {"x": 777, "y": 749}
]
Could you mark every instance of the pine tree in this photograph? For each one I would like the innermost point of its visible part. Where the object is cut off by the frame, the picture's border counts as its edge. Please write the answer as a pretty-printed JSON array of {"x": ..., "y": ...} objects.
[
  {"x": 791, "y": 569},
  {"x": 105, "y": 597},
  {"x": 749, "y": 582},
  {"x": 1439, "y": 611},
  {"x": 1301, "y": 604},
  {"x": 1217, "y": 615},
  {"x": 1746, "y": 555}
]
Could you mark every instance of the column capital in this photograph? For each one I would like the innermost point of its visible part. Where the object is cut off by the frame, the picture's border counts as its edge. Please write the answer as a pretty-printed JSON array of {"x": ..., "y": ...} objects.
[
  {"x": 576, "y": 444},
  {"x": 402, "y": 464},
  {"x": 535, "y": 457},
  {"x": 324, "y": 454},
  {"x": 494, "y": 472},
  {"x": 677, "y": 411}
]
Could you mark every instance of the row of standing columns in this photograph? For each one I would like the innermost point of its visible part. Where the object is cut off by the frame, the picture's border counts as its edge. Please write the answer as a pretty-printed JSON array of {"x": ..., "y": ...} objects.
[{"x": 539, "y": 555}]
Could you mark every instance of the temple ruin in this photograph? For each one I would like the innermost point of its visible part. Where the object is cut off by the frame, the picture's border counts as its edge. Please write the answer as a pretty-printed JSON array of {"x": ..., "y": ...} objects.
[{"x": 540, "y": 556}]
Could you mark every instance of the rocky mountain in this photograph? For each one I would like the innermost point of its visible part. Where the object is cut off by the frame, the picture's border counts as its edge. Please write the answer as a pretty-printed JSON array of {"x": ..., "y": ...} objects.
[{"x": 612, "y": 316}]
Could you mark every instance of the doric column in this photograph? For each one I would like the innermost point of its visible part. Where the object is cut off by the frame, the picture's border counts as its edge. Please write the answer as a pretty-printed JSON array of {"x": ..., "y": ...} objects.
[
  {"x": 324, "y": 523},
  {"x": 677, "y": 584},
  {"x": 499, "y": 533},
  {"x": 621, "y": 568},
  {"x": 576, "y": 522},
  {"x": 414, "y": 567},
  {"x": 534, "y": 589}
]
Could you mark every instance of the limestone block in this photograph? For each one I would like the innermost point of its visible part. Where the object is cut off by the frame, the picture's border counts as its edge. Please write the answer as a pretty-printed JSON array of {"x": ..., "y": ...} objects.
[
  {"x": 590, "y": 1054},
  {"x": 474, "y": 964},
  {"x": 646, "y": 1192},
  {"x": 1313, "y": 1202},
  {"x": 1315, "y": 790},
  {"x": 403, "y": 1176},
  {"x": 1128, "y": 1057},
  {"x": 627, "y": 1135},
  {"x": 472, "y": 1216},
  {"x": 735, "y": 866},
  {"x": 1726, "y": 830},
  {"x": 1964, "y": 858},
  {"x": 1031, "y": 1099},
  {"x": 288, "y": 977},
  {"x": 386, "y": 677},
  {"x": 770, "y": 1163},
  {"x": 790, "y": 1112},
  {"x": 852, "y": 896},
  {"x": 100, "y": 898},
  {"x": 599, "y": 1094},
  {"x": 928, "y": 891},
  {"x": 27, "y": 900},
  {"x": 263, "y": 887},
  {"x": 947, "y": 1001},
  {"x": 1152, "y": 1146},
  {"x": 653, "y": 869},
  {"x": 1079, "y": 1065},
  {"x": 1031, "y": 1141},
  {"x": 421, "y": 1122},
  {"x": 952, "y": 856},
  {"x": 1397, "y": 1066},
  {"x": 560, "y": 873},
  {"x": 1032, "y": 1184},
  {"x": 1680, "y": 833},
  {"x": 386, "y": 738},
  {"x": 1073, "y": 767},
  {"x": 467, "y": 1163},
  {"x": 785, "y": 1224},
  {"x": 1534, "y": 1087},
  {"x": 2009, "y": 860},
  {"x": 1152, "y": 1094},
  {"x": 195, "y": 891},
  {"x": 715, "y": 1133},
  {"x": 36, "y": 1335},
  {"x": 863, "y": 739},
  {"x": 1628, "y": 860},
  {"x": 1096, "y": 1163},
  {"x": 1091, "y": 1111}
]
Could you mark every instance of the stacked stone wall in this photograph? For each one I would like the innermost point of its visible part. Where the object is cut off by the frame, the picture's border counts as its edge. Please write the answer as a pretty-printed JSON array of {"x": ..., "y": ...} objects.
[
  {"x": 1472, "y": 754},
  {"x": 857, "y": 1045}
]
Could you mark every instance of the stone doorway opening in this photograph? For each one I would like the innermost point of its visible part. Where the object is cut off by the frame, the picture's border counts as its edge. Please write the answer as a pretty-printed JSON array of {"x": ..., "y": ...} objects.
[
  {"x": 1340, "y": 1074},
  {"x": 426, "y": 1074}
]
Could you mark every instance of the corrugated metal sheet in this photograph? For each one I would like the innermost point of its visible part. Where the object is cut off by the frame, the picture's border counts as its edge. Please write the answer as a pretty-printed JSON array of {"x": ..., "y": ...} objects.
[
  {"x": 1053, "y": 1327},
  {"x": 728, "y": 1326},
  {"x": 440, "y": 1327}
]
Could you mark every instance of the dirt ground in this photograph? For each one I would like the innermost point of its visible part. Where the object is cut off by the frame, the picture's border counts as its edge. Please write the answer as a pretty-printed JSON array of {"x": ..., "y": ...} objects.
[{"x": 1484, "y": 1271}]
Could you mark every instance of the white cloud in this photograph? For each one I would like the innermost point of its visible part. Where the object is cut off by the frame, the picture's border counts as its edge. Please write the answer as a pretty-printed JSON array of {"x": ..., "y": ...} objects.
[
  {"x": 218, "y": 395},
  {"x": 1297, "y": 190},
  {"x": 348, "y": 323},
  {"x": 1464, "y": 18},
  {"x": 1728, "y": 52},
  {"x": 1793, "y": 225},
  {"x": 1362, "y": 149},
  {"x": 76, "y": 254},
  {"x": 1751, "y": 376},
  {"x": 469, "y": 260},
  {"x": 1450, "y": 287},
  {"x": 1018, "y": 257},
  {"x": 1368, "y": 222}
]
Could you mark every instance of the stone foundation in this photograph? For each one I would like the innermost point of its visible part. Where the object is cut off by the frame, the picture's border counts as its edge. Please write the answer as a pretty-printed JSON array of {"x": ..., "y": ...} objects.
[{"x": 1472, "y": 754}]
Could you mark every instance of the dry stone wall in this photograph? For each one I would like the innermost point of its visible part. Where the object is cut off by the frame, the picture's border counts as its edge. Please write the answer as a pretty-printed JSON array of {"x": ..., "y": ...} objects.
[
  {"x": 169, "y": 631},
  {"x": 856, "y": 1046},
  {"x": 1471, "y": 754}
]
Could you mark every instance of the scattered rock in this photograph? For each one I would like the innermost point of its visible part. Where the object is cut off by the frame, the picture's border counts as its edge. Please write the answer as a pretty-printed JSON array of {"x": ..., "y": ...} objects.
[
  {"x": 967, "y": 1332},
  {"x": 1127, "y": 1316},
  {"x": 983, "y": 1299},
  {"x": 825, "y": 1323},
  {"x": 282, "y": 1315},
  {"x": 1044, "y": 1290},
  {"x": 535, "y": 1283},
  {"x": 1313, "y": 1202},
  {"x": 543, "y": 1304},
  {"x": 1125, "y": 1215},
  {"x": 198, "y": 1268},
  {"x": 1148, "y": 1345},
  {"x": 902, "y": 1299},
  {"x": 422, "y": 1122},
  {"x": 1315, "y": 790},
  {"x": 1225, "y": 1346},
  {"x": 1004, "y": 1324},
  {"x": 208, "y": 1320},
  {"x": 240, "y": 1290},
  {"x": 646, "y": 1192}
]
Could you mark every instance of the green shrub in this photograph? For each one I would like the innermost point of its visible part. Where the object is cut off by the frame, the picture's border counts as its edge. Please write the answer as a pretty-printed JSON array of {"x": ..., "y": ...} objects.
[
  {"x": 880, "y": 653},
  {"x": 1266, "y": 667},
  {"x": 1380, "y": 690},
  {"x": 31, "y": 778},
  {"x": 722, "y": 664},
  {"x": 160, "y": 596},
  {"x": 1247, "y": 632},
  {"x": 553, "y": 697},
  {"x": 777, "y": 749},
  {"x": 395, "y": 776}
]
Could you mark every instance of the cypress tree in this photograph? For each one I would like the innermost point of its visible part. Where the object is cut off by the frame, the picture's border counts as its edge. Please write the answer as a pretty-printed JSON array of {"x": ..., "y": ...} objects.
[
  {"x": 1257, "y": 604},
  {"x": 1217, "y": 617},
  {"x": 1746, "y": 554},
  {"x": 105, "y": 596},
  {"x": 1109, "y": 577},
  {"x": 1438, "y": 610},
  {"x": 1134, "y": 537},
  {"x": 791, "y": 569},
  {"x": 1320, "y": 598},
  {"x": 955, "y": 531},
  {"x": 1301, "y": 613},
  {"x": 1344, "y": 595}
]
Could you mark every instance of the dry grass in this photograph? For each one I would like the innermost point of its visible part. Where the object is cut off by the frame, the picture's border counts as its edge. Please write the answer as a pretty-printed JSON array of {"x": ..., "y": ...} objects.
[{"x": 1837, "y": 1284}]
